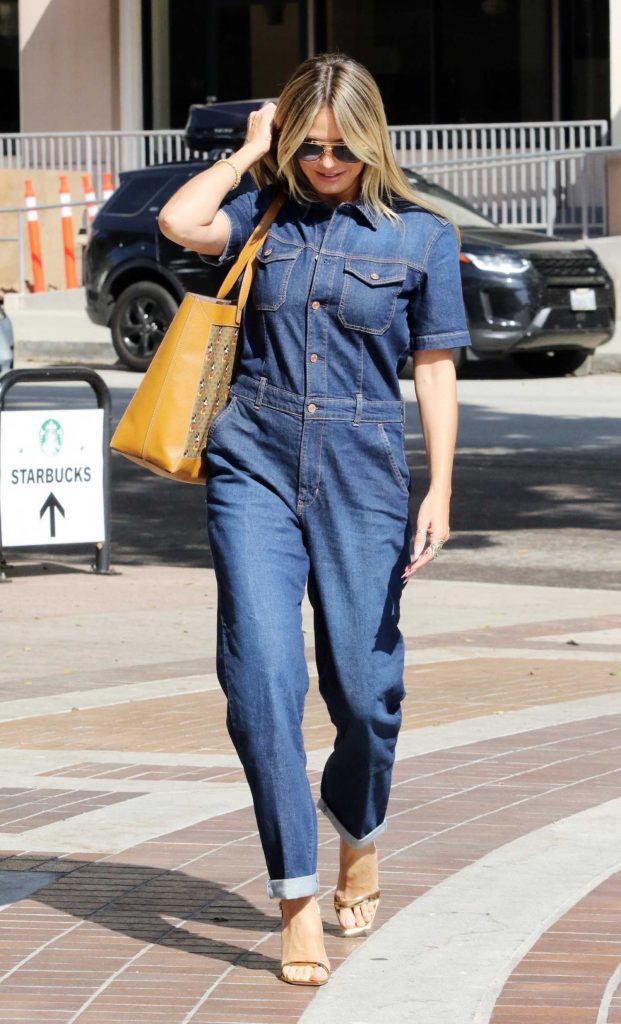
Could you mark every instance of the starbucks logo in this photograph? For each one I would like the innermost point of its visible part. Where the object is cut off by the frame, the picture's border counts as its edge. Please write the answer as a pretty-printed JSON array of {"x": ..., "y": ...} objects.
[{"x": 50, "y": 437}]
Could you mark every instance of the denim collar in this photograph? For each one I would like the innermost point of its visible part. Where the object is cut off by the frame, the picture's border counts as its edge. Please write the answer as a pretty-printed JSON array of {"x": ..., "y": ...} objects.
[
  {"x": 371, "y": 215},
  {"x": 368, "y": 212}
]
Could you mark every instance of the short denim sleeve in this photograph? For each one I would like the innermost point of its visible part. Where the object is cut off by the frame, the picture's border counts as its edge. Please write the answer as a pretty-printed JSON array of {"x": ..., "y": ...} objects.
[
  {"x": 436, "y": 313},
  {"x": 244, "y": 211}
]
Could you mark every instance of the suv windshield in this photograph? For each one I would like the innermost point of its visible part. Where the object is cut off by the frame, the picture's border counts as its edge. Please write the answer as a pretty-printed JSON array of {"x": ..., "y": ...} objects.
[
  {"x": 144, "y": 189},
  {"x": 459, "y": 211}
]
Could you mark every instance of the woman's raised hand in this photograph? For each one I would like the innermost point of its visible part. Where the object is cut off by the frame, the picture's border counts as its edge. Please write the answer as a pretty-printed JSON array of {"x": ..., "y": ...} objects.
[{"x": 259, "y": 128}]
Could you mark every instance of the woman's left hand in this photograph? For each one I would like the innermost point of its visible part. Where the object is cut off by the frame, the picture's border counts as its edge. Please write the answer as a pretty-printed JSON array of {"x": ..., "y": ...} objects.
[{"x": 432, "y": 531}]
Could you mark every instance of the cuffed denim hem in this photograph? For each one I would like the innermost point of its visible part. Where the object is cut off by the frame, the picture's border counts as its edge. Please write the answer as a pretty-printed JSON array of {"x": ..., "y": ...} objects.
[
  {"x": 342, "y": 831},
  {"x": 292, "y": 888}
]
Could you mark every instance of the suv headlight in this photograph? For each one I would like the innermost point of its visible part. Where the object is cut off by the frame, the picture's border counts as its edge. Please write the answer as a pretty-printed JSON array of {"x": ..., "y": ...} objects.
[{"x": 499, "y": 263}]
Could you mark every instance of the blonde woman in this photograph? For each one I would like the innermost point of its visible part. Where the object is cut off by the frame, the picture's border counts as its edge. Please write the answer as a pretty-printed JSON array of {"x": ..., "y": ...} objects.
[{"x": 308, "y": 481}]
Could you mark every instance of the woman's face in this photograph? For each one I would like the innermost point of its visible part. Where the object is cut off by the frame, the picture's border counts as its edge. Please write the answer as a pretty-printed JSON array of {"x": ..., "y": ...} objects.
[{"x": 335, "y": 181}]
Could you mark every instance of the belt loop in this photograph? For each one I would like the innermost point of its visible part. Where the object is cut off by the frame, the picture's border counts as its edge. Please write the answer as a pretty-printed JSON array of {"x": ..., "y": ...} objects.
[
  {"x": 261, "y": 388},
  {"x": 403, "y": 411},
  {"x": 356, "y": 420}
]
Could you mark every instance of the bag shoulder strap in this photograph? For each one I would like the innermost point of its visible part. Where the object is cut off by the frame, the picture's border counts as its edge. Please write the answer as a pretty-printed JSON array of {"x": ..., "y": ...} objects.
[{"x": 247, "y": 254}]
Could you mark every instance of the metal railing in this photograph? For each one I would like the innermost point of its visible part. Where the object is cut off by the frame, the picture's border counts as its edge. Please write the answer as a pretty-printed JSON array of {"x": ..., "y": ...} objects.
[
  {"x": 559, "y": 190},
  {"x": 20, "y": 237},
  {"x": 497, "y": 189},
  {"x": 562, "y": 190},
  {"x": 433, "y": 143},
  {"x": 95, "y": 152},
  {"x": 543, "y": 217},
  {"x": 509, "y": 183}
]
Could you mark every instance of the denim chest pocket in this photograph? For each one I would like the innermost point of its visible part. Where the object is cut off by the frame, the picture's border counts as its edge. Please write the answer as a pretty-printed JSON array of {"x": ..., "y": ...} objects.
[
  {"x": 273, "y": 268},
  {"x": 370, "y": 292}
]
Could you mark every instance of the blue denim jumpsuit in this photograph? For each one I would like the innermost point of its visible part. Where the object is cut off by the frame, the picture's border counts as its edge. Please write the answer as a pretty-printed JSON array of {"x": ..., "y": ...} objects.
[{"x": 308, "y": 486}]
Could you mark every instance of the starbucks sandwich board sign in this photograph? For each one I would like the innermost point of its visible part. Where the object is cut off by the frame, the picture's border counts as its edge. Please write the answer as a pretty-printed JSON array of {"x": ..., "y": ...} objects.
[{"x": 51, "y": 477}]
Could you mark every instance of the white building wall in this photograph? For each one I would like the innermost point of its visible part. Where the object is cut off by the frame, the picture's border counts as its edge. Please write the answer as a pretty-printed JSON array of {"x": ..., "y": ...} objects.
[
  {"x": 69, "y": 65},
  {"x": 80, "y": 65}
]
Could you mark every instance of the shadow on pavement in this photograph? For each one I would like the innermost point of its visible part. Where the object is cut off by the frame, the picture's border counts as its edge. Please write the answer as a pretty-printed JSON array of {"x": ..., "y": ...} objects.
[
  {"x": 518, "y": 472},
  {"x": 135, "y": 901}
]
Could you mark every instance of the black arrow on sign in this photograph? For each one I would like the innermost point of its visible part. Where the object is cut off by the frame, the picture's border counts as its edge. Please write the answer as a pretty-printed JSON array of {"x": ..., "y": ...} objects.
[{"x": 52, "y": 503}]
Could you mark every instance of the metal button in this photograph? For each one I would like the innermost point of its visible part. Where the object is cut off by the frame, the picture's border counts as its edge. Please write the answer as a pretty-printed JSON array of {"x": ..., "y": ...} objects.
[
  {"x": 314, "y": 357},
  {"x": 315, "y": 304},
  {"x": 374, "y": 276},
  {"x": 266, "y": 252},
  {"x": 312, "y": 407}
]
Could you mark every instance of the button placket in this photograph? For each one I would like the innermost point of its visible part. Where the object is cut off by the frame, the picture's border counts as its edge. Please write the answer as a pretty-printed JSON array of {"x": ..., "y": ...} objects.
[{"x": 317, "y": 324}]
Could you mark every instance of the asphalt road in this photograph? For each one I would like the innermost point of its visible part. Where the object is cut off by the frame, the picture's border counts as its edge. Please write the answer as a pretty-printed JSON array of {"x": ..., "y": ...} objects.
[{"x": 536, "y": 494}]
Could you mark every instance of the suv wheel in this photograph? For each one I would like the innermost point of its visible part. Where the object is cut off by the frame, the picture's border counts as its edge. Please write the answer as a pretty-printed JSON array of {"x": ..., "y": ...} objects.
[
  {"x": 141, "y": 316},
  {"x": 555, "y": 364}
]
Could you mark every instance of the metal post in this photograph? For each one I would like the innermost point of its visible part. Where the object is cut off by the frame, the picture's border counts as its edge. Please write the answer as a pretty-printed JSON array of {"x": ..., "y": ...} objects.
[
  {"x": 550, "y": 198},
  {"x": 584, "y": 199},
  {"x": 74, "y": 373},
  {"x": 606, "y": 212},
  {"x": 556, "y": 60},
  {"x": 89, "y": 157},
  {"x": 311, "y": 45},
  {"x": 21, "y": 256}
]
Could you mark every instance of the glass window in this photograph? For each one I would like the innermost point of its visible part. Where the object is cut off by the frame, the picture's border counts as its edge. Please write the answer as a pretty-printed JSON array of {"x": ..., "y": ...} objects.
[
  {"x": 147, "y": 188},
  {"x": 9, "y": 67},
  {"x": 585, "y": 45},
  {"x": 436, "y": 61},
  {"x": 395, "y": 40},
  {"x": 446, "y": 62},
  {"x": 455, "y": 208},
  {"x": 231, "y": 50},
  {"x": 486, "y": 88}
]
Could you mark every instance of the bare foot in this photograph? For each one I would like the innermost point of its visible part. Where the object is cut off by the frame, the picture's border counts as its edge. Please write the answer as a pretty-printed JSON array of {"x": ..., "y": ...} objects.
[
  {"x": 302, "y": 939},
  {"x": 358, "y": 874}
]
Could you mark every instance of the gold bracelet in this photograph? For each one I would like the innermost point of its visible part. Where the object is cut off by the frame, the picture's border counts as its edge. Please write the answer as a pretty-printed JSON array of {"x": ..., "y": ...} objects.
[{"x": 223, "y": 160}]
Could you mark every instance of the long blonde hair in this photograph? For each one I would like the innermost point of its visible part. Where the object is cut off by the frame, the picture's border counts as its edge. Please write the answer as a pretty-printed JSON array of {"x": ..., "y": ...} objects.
[{"x": 350, "y": 91}]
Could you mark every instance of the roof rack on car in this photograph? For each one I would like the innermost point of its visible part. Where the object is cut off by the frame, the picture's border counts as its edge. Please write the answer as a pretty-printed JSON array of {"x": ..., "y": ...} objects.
[{"x": 218, "y": 126}]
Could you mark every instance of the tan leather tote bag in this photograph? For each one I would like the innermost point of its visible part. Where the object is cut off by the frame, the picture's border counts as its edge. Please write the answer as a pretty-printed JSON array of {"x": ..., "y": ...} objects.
[{"x": 165, "y": 425}]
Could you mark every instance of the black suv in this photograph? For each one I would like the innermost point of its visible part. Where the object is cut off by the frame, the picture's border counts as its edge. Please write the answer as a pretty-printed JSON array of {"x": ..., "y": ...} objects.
[
  {"x": 545, "y": 301},
  {"x": 135, "y": 277}
]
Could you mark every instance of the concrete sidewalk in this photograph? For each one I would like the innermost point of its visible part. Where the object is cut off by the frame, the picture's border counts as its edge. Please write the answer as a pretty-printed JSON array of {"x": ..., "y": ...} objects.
[{"x": 132, "y": 880}]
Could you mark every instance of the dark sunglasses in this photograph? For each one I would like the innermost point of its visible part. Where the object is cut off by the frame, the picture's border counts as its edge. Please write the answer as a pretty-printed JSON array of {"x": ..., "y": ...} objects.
[{"x": 311, "y": 151}]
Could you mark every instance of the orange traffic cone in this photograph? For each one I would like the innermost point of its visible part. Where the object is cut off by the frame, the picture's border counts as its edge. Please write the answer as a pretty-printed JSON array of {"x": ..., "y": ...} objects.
[
  {"x": 66, "y": 221},
  {"x": 34, "y": 237},
  {"x": 107, "y": 187},
  {"x": 91, "y": 198}
]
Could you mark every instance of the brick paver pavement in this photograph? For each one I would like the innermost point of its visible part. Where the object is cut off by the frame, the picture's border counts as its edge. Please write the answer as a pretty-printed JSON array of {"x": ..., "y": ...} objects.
[
  {"x": 573, "y": 966},
  {"x": 131, "y": 873},
  {"x": 194, "y": 723}
]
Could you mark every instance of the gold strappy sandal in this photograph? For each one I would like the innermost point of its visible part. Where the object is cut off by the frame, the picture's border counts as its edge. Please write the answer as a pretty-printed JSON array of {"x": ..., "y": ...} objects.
[
  {"x": 301, "y": 963},
  {"x": 364, "y": 929}
]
